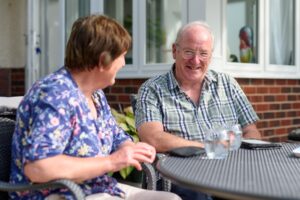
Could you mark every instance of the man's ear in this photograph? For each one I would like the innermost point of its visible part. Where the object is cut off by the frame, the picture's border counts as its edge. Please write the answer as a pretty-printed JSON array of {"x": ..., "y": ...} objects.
[
  {"x": 104, "y": 59},
  {"x": 174, "y": 51}
]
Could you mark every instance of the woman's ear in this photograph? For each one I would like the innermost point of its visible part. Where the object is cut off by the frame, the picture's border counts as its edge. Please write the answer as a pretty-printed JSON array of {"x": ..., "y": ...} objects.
[{"x": 104, "y": 59}]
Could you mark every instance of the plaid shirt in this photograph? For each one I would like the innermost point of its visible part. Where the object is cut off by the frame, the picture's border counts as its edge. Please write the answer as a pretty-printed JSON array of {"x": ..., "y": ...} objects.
[{"x": 222, "y": 102}]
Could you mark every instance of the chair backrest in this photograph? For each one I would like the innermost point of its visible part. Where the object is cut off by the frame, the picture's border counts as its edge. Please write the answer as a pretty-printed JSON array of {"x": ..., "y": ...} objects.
[
  {"x": 7, "y": 127},
  {"x": 7, "y": 112},
  {"x": 294, "y": 135},
  {"x": 133, "y": 101}
]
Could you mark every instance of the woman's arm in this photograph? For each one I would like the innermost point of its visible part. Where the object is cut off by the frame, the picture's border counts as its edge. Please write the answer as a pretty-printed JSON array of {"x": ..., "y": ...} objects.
[{"x": 81, "y": 169}]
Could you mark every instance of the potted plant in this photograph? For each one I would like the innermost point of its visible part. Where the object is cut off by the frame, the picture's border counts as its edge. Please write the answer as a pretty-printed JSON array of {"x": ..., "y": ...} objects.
[{"x": 126, "y": 121}]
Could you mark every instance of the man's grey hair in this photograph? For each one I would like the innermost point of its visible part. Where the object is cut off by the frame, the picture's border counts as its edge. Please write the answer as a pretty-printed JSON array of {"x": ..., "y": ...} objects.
[{"x": 191, "y": 24}]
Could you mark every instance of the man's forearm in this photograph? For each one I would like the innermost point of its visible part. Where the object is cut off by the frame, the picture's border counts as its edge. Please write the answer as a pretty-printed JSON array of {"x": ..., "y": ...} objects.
[
  {"x": 251, "y": 131},
  {"x": 165, "y": 141}
]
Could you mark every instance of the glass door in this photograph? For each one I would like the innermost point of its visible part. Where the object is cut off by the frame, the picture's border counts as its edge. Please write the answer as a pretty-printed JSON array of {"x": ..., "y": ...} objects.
[{"x": 49, "y": 24}]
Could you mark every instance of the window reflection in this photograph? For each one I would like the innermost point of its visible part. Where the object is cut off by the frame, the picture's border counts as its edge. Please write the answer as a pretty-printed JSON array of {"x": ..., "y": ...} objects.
[
  {"x": 282, "y": 38},
  {"x": 163, "y": 19},
  {"x": 121, "y": 10},
  {"x": 242, "y": 29}
]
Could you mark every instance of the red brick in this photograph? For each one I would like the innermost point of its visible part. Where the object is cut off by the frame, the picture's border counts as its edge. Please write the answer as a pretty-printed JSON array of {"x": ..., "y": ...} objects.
[
  {"x": 256, "y": 99},
  {"x": 292, "y": 82},
  {"x": 262, "y": 90},
  {"x": 296, "y": 105},
  {"x": 117, "y": 90},
  {"x": 291, "y": 97},
  {"x": 269, "y": 81},
  {"x": 286, "y": 90},
  {"x": 280, "y": 82},
  {"x": 262, "y": 124},
  {"x": 138, "y": 82},
  {"x": 281, "y": 115},
  {"x": 296, "y": 121},
  {"x": 274, "y": 123},
  {"x": 111, "y": 97},
  {"x": 286, "y": 106},
  {"x": 286, "y": 122},
  {"x": 257, "y": 81},
  {"x": 123, "y": 98},
  {"x": 249, "y": 90},
  {"x": 292, "y": 114},
  {"x": 269, "y": 98},
  {"x": 123, "y": 82},
  {"x": 281, "y": 131},
  {"x": 296, "y": 90},
  {"x": 268, "y": 115},
  {"x": 274, "y": 90},
  {"x": 262, "y": 107},
  {"x": 274, "y": 106},
  {"x": 130, "y": 90},
  {"x": 280, "y": 98}
]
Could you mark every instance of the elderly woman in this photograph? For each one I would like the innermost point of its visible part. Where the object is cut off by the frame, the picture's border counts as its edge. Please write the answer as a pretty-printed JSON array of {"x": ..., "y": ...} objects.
[{"x": 65, "y": 128}]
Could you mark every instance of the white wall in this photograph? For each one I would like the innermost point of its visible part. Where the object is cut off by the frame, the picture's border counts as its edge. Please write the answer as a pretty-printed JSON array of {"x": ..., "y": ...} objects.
[{"x": 12, "y": 33}]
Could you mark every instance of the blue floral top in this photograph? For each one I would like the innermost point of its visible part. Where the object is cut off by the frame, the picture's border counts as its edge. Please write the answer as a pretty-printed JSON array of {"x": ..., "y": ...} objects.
[{"x": 54, "y": 118}]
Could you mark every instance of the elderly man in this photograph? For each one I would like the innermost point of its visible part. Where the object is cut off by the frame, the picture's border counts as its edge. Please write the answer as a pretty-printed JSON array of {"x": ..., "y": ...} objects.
[{"x": 175, "y": 109}]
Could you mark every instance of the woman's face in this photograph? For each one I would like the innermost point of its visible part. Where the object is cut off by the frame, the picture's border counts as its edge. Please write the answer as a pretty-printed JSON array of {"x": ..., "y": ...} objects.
[{"x": 112, "y": 69}]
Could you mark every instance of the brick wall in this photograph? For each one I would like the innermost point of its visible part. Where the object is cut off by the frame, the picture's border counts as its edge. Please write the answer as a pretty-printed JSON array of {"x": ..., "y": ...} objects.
[
  {"x": 12, "y": 82},
  {"x": 276, "y": 101}
]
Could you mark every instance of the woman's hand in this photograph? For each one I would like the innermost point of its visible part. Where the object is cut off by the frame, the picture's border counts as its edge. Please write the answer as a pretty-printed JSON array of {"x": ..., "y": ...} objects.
[{"x": 131, "y": 154}]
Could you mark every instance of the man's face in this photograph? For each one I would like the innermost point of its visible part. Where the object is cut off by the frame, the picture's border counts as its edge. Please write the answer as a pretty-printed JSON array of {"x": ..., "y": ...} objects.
[{"x": 192, "y": 55}]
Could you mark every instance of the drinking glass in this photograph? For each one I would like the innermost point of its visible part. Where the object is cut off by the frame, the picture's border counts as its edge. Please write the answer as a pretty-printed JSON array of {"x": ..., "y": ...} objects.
[
  {"x": 235, "y": 135},
  {"x": 217, "y": 143}
]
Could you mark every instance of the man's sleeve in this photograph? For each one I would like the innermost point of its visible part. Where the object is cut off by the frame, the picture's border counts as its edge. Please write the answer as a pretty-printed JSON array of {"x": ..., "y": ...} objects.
[{"x": 147, "y": 106}]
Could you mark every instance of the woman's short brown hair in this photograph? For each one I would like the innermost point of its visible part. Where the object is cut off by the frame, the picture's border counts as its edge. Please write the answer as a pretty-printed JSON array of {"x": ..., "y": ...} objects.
[{"x": 92, "y": 36}]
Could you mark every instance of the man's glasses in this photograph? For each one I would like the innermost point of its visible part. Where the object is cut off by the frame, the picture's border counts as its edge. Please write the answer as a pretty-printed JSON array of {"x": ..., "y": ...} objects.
[{"x": 190, "y": 54}]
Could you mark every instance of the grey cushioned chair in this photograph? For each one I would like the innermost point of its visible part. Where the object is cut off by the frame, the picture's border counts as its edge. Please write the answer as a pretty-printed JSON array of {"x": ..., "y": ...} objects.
[
  {"x": 6, "y": 131},
  {"x": 165, "y": 183}
]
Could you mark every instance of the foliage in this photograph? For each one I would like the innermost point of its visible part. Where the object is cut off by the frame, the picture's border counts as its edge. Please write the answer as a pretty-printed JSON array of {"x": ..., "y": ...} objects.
[{"x": 125, "y": 120}]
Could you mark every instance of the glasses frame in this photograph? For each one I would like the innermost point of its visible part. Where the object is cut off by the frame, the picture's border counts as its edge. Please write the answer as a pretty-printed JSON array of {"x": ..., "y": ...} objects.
[{"x": 188, "y": 54}]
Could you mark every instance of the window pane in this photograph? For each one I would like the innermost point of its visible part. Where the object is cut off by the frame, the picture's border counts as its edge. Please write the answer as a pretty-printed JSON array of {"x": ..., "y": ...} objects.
[
  {"x": 282, "y": 38},
  {"x": 164, "y": 18},
  {"x": 121, "y": 10},
  {"x": 51, "y": 41},
  {"x": 74, "y": 10},
  {"x": 242, "y": 29}
]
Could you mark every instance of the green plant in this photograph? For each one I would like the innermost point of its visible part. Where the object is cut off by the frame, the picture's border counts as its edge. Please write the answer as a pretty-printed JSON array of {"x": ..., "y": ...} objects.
[{"x": 125, "y": 119}]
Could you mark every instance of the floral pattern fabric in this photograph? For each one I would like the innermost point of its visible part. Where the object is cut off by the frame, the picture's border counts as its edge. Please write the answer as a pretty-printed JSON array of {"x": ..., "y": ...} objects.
[{"x": 54, "y": 118}]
